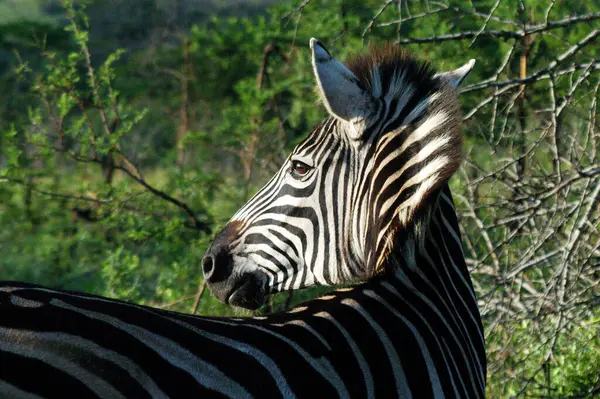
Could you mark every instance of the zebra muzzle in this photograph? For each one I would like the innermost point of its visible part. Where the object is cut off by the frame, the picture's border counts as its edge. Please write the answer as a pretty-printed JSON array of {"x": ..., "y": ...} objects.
[
  {"x": 247, "y": 293},
  {"x": 245, "y": 290}
]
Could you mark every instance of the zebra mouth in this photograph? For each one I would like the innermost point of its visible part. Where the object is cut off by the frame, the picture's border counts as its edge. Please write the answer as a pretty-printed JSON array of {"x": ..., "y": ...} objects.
[{"x": 247, "y": 293}]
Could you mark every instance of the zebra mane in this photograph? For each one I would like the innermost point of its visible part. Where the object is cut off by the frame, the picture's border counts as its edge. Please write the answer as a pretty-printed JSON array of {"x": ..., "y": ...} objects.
[
  {"x": 389, "y": 65},
  {"x": 426, "y": 140}
]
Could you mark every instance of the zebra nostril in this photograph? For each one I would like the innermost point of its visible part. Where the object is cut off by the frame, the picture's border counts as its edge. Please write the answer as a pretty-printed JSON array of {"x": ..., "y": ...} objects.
[
  {"x": 208, "y": 266},
  {"x": 217, "y": 265}
]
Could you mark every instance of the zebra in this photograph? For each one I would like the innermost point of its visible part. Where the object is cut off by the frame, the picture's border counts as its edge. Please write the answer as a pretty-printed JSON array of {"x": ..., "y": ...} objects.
[{"x": 362, "y": 201}]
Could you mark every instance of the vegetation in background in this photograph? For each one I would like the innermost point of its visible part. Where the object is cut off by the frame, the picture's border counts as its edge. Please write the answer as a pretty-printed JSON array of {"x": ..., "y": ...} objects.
[{"x": 125, "y": 143}]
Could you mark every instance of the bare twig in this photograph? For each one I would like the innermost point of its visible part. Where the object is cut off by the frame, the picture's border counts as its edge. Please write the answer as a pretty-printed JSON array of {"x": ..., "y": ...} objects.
[{"x": 201, "y": 289}]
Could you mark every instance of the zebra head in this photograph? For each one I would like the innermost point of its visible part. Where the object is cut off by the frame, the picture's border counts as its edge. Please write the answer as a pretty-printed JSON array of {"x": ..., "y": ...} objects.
[{"x": 331, "y": 213}]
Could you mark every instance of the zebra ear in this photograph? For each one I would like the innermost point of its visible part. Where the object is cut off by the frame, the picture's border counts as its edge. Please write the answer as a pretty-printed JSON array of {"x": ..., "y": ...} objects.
[
  {"x": 456, "y": 76},
  {"x": 339, "y": 88}
]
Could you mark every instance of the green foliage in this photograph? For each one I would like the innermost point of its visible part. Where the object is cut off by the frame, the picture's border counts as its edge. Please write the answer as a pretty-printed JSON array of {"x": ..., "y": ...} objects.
[{"x": 571, "y": 370}]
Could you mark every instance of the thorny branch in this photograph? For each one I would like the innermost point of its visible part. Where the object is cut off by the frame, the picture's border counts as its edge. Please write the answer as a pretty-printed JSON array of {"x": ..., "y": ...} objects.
[{"x": 505, "y": 34}]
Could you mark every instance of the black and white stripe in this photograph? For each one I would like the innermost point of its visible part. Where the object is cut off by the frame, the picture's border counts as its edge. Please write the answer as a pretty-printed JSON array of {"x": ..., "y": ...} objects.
[{"x": 364, "y": 197}]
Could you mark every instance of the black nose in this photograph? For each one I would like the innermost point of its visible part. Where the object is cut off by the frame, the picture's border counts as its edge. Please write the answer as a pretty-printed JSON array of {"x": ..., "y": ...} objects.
[{"x": 217, "y": 264}]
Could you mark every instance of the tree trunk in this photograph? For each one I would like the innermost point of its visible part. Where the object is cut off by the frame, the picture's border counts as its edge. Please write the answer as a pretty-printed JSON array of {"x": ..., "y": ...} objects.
[{"x": 183, "y": 126}]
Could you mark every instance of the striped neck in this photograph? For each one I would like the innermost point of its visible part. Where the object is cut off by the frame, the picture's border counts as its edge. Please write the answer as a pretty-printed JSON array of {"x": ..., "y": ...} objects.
[
  {"x": 426, "y": 290},
  {"x": 430, "y": 247},
  {"x": 428, "y": 261},
  {"x": 416, "y": 322}
]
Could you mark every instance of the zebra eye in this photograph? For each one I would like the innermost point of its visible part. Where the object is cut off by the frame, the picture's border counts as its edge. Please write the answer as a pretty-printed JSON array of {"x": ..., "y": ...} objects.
[{"x": 300, "y": 169}]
